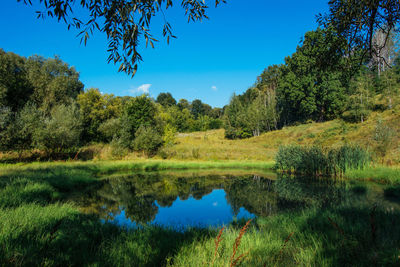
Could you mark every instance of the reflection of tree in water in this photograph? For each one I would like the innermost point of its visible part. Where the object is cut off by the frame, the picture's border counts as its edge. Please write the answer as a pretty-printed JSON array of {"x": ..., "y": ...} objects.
[
  {"x": 139, "y": 194},
  {"x": 254, "y": 193},
  {"x": 303, "y": 191}
]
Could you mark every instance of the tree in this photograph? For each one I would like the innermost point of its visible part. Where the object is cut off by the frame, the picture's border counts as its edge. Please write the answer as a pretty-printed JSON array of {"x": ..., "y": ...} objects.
[
  {"x": 148, "y": 140},
  {"x": 166, "y": 99},
  {"x": 17, "y": 128},
  {"x": 235, "y": 120},
  {"x": 125, "y": 22},
  {"x": 15, "y": 88},
  {"x": 96, "y": 108},
  {"x": 60, "y": 130},
  {"x": 359, "y": 100},
  {"x": 312, "y": 81},
  {"x": 54, "y": 82},
  {"x": 138, "y": 112},
  {"x": 384, "y": 46},
  {"x": 183, "y": 103},
  {"x": 197, "y": 108},
  {"x": 358, "y": 20},
  {"x": 181, "y": 120}
]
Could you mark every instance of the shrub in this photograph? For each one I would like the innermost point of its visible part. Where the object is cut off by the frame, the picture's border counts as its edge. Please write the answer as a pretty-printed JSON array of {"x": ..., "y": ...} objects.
[
  {"x": 110, "y": 128},
  {"x": 148, "y": 140},
  {"x": 169, "y": 135},
  {"x": 61, "y": 130}
]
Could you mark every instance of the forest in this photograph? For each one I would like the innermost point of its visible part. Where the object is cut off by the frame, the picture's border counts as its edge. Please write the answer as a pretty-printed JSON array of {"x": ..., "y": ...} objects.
[{"x": 44, "y": 106}]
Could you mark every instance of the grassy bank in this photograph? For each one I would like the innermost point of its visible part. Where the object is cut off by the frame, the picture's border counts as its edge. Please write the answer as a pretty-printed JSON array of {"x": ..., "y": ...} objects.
[
  {"x": 137, "y": 165},
  {"x": 379, "y": 174},
  {"x": 57, "y": 234}
]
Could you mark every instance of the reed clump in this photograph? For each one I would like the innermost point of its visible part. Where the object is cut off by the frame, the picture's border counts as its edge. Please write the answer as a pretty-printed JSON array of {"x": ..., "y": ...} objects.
[{"x": 313, "y": 160}]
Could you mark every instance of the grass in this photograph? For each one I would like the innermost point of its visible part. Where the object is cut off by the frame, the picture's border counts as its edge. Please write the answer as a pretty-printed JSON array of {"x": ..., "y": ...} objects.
[
  {"x": 379, "y": 174},
  {"x": 138, "y": 165},
  {"x": 40, "y": 225},
  {"x": 315, "y": 161},
  {"x": 336, "y": 133},
  {"x": 306, "y": 238},
  {"x": 58, "y": 234}
]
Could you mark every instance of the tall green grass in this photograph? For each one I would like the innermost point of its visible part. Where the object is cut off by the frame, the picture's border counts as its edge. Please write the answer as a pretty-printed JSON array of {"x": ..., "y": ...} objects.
[
  {"x": 379, "y": 174},
  {"x": 314, "y": 160}
]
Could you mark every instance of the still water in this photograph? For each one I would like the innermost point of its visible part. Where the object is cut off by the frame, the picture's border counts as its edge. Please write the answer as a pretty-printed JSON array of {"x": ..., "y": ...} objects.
[{"x": 214, "y": 199}]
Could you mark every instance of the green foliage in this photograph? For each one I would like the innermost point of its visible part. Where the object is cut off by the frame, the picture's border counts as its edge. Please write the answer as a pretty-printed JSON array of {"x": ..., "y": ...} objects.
[
  {"x": 18, "y": 128},
  {"x": 359, "y": 103},
  {"x": 110, "y": 129},
  {"x": 183, "y": 103},
  {"x": 148, "y": 140},
  {"x": 15, "y": 86},
  {"x": 311, "y": 84},
  {"x": 96, "y": 108},
  {"x": 314, "y": 161},
  {"x": 59, "y": 131},
  {"x": 54, "y": 82},
  {"x": 235, "y": 121},
  {"x": 251, "y": 114},
  {"x": 198, "y": 108},
  {"x": 169, "y": 135},
  {"x": 166, "y": 100},
  {"x": 358, "y": 22},
  {"x": 139, "y": 111}
]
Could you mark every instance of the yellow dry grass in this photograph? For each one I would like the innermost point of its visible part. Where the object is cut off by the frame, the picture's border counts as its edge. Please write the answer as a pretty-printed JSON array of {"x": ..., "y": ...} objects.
[{"x": 211, "y": 145}]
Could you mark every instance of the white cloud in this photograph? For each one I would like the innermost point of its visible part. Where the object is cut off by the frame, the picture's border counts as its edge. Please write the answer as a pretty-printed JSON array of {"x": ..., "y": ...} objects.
[
  {"x": 214, "y": 88},
  {"x": 144, "y": 89}
]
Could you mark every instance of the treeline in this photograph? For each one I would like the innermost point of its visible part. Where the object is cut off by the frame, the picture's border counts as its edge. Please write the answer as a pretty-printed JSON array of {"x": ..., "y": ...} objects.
[
  {"x": 43, "y": 106},
  {"x": 319, "y": 82}
]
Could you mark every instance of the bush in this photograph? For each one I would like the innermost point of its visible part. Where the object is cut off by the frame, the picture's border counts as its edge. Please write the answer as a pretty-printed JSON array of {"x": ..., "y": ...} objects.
[
  {"x": 110, "y": 128},
  {"x": 147, "y": 140},
  {"x": 118, "y": 149},
  {"x": 232, "y": 133},
  {"x": 61, "y": 130},
  {"x": 169, "y": 135}
]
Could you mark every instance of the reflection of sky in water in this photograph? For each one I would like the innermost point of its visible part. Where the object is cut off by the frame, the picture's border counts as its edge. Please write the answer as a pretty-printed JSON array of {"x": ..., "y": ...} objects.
[{"x": 210, "y": 210}]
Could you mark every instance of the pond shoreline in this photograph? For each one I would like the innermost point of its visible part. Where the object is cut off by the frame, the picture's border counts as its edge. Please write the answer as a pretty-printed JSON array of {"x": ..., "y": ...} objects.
[{"x": 376, "y": 173}]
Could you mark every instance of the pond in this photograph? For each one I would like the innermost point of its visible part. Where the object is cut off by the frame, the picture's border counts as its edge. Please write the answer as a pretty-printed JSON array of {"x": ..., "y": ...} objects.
[{"x": 184, "y": 199}]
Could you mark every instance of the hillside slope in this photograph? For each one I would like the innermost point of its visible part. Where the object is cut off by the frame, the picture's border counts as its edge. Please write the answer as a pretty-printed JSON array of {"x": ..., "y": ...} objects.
[{"x": 211, "y": 145}]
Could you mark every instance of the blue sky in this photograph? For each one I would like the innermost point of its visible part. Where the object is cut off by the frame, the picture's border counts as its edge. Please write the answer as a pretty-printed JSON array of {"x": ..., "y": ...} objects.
[{"x": 209, "y": 60}]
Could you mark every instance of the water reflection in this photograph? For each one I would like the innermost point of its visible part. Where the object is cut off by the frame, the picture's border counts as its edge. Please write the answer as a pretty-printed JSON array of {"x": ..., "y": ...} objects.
[{"x": 181, "y": 199}]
